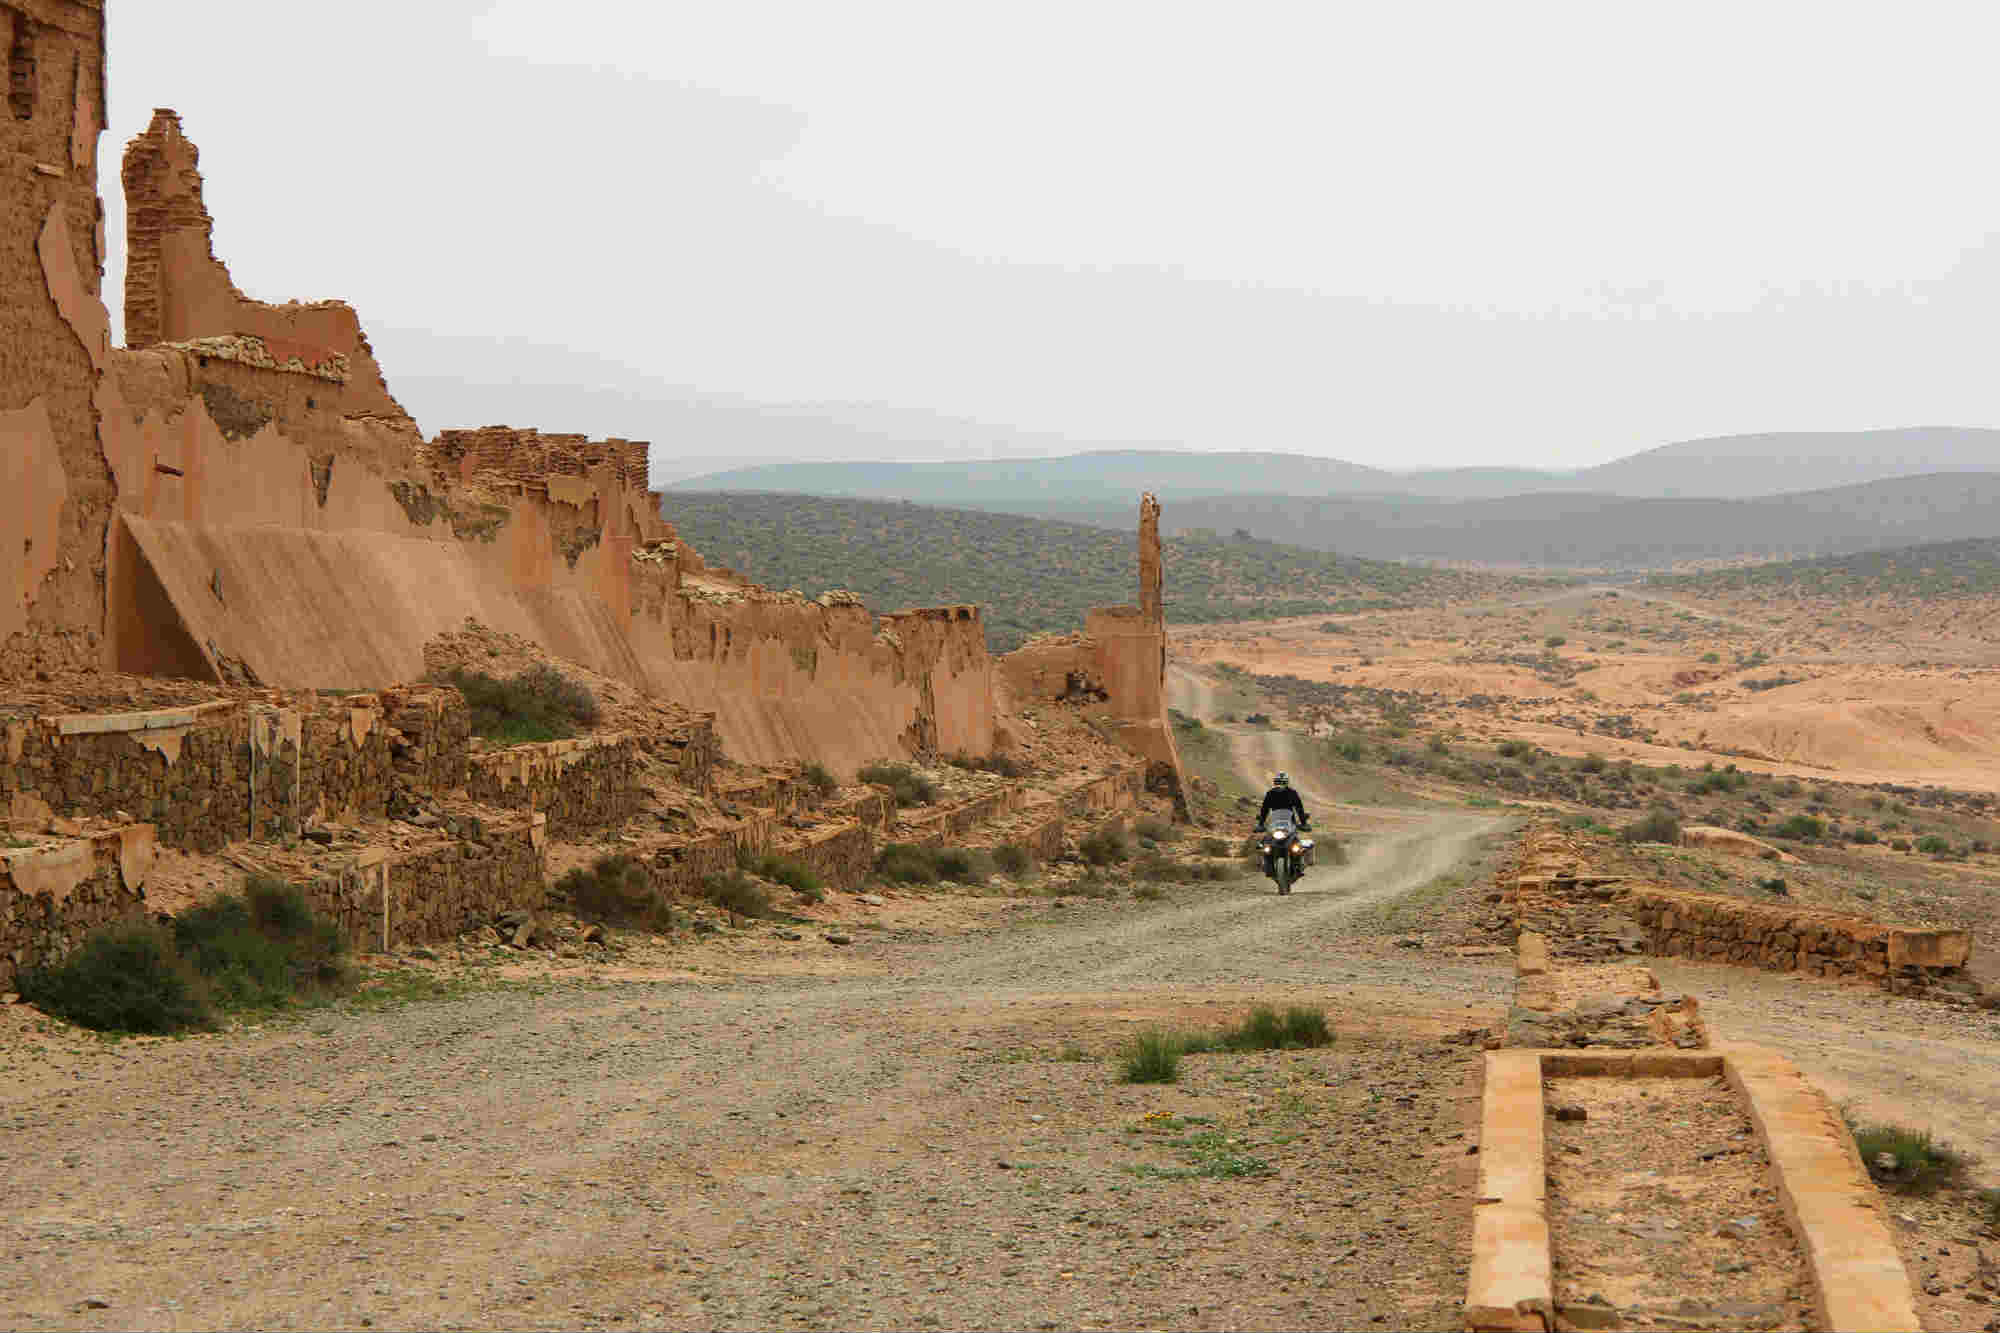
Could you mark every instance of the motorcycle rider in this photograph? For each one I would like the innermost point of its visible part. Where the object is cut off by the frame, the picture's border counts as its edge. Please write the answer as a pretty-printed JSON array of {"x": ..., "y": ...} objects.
[{"x": 1282, "y": 796}]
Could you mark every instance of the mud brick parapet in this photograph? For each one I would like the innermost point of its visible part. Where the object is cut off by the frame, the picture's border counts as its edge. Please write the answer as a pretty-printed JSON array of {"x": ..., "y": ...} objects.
[
  {"x": 582, "y": 785},
  {"x": 50, "y": 897},
  {"x": 1900, "y": 959},
  {"x": 424, "y": 894}
]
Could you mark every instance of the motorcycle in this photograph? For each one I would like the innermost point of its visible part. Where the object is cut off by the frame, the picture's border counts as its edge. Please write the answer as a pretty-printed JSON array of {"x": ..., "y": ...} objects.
[{"x": 1285, "y": 849}]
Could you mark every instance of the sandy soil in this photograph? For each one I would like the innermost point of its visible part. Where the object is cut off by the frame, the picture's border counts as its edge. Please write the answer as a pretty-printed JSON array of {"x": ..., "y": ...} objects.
[
  {"x": 935, "y": 1137},
  {"x": 1869, "y": 704}
]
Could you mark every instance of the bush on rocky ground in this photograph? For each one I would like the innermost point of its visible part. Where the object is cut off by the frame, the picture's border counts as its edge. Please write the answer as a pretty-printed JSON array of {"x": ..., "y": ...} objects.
[
  {"x": 1659, "y": 826},
  {"x": 819, "y": 779},
  {"x": 1908, "y": 1161},
  {"x": 1104, "y": 847},
  {"x": 614, "y": 890},
  {"x": 908, "y": 786},
  {"x": 539, "y": 704},
  {"x": 1013, "y": 858},
  {"x": 263, "y": 948},
  {"x": 738, "y": 893}
]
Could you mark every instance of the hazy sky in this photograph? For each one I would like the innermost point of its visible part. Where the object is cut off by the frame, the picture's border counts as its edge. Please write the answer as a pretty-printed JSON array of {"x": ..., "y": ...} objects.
[{"x": 1398, "y": 233}]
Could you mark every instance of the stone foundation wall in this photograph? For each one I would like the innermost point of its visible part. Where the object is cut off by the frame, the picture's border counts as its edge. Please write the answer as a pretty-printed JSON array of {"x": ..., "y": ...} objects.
[
  {"x": 582, "y": 785},
  {"x": 690, "y": 751},
  {"x": 841, "y": 856},
  {"x": 186, "y": 770},
  {"x": 1107, "y": 794},
  {"x": 1900, "y": 959},
  {"x": 437, "y": 891},
  {"x": 51, "y": 897},
  {"x": 938, "y": 826}
]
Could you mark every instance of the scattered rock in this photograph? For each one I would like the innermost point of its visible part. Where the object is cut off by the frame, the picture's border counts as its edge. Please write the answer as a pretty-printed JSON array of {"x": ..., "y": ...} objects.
[
  {"x": 838, "y": 939},
  {"x": 792, "y": 935},
  {"x": 524, "y": 935},
  {"x": 592, "y": 934},
  {"x": 93, "y": 1303},
  {"x": 1569, "y": 1113},
  {"x": 1739, "y": 1228},
  {"x": 1409, "y": 942},
  {"x": 322, "y": 836},
  {"x": 871, "y": 899}
]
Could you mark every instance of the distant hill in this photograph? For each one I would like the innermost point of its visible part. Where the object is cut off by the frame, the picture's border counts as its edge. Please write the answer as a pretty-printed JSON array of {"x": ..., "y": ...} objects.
[
  {"x": 1556, "y": 530},
  {"x": 1938, "y": 571},
  {"x": 1742, "y": 466},
  {"x": 1727, "y": 467},
  {"x": 1116, "y": 476},
  {"x": 1032, "y": 575}
]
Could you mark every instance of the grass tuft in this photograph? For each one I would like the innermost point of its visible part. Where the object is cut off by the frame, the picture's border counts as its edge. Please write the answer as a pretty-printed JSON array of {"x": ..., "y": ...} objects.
[{"x": 1908, "y": 1161}]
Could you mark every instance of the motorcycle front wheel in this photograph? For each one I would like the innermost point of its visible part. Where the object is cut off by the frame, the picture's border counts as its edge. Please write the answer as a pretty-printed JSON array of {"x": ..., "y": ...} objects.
[{"x": 1283, "y": 874}]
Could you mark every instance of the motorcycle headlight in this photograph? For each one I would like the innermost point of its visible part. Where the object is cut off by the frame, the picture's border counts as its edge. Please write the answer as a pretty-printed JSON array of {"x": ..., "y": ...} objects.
[{"x": 1297, "y": 848}]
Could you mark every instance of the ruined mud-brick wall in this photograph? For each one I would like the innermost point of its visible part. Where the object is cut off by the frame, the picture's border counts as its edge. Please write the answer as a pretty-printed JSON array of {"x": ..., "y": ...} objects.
[
  {"x": 51, "y": 897},
  {"x": 529, "y": 457},
  {"x": 582, "y": 785},
  {"x": 1715, "y": 928},
  {"x": 1108, "y": 794},
  {"x": 53, "y": 331},
  {"x": 438, "y": 891},
  {"x": 940, "y": 825}
]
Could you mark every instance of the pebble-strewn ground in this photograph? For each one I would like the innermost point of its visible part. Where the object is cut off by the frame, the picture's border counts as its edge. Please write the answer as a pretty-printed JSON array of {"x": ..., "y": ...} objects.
[{"x": 941, "y": 1143}]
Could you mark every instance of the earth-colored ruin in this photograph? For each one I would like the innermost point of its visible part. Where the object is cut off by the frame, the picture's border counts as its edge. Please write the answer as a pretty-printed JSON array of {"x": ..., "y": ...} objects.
[
  {"x": 246, "y": 580},
  {"x": 237, "y": 501}
]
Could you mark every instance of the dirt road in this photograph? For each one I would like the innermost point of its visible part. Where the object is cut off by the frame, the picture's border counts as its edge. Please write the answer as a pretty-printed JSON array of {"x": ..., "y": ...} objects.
[{"x": 937, "y": 1138}]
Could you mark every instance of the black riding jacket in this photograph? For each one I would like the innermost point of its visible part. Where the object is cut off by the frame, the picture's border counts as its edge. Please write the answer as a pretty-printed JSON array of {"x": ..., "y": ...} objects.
[{"x": 1281, "y": 798}]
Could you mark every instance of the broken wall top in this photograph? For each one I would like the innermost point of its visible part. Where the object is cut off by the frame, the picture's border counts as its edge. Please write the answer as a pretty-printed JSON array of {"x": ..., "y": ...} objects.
[{"x": 177, "y": 291}]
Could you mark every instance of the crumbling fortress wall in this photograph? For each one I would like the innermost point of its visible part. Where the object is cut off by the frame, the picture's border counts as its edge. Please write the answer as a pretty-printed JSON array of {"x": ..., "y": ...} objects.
[
  {"x": 54, "y": 334},
  {"x": 238, "y": 497},
  {"x": 237, "y": 500},
  {"x": 1117, "y": 668}
]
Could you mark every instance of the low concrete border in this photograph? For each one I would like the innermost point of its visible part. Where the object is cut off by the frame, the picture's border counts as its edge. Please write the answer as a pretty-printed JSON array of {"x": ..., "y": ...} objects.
[{"x": 1858, "y": 1277}]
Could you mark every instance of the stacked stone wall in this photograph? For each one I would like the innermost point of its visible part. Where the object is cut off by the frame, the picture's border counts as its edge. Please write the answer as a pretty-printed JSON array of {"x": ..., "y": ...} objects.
[
  {"x": 582, "y": 785},
  {"x": 51, "y": 897},
  {"x": 842, "y": 856},
  {"x": 435, "y": 736},
  {"x": 437, "y": 891},
  {"x": 185, "y": 770},
  {"x": 1714, "y": 928},
  {"x": 937, "y": 826}
]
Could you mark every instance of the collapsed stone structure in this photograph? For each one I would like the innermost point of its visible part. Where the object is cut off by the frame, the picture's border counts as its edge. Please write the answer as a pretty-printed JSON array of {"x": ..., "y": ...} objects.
[
  {"x": 1552, "y": 891},
  {"x": 237, "y": 500}
]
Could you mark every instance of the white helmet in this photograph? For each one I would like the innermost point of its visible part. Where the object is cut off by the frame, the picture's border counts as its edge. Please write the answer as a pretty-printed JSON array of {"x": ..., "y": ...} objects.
[{"x": 1281, "y": 781}]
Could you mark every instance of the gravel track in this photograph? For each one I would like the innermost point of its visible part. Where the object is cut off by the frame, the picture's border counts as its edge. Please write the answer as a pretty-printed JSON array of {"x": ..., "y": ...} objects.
[{"x": 799, "y": 1152}]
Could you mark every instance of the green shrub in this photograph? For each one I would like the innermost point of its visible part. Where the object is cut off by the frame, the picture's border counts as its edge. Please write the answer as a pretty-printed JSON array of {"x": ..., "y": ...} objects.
[
  {"x": 1590, "y": 763},
  {"x": 123, "y": 978},
  {"x": 614, "y": 890},
  {"x": 1933, "y": 844},
  {"x": 906, "y": 863},
  {"x": 539, "y": 704},
  {"x": 259, "y": 949},
  {"x": 1659, "y": 826},
  {"x": 1215, "y": 847},
  {"x": 1900, "y": 845},
  {"x": 1351, "y": 749},
  {"x": 1907, "y": 1160},
  {"x": 1554, "y": 641},
  {"x": 1005, "y": 765},
  {"x": 958, "y": 865},
  {"x": 820, "y": 780},
  {"x": 1438, "y": 745},
  {"x": 1153, "y": 1056},
  {"x": 1802, "y": 828},
  {"x": 794, "y": 875},
  {"x": 738, "y": 893},
  {"x": 1104, "y": 847},
  {"x": 1864, "y": 836},
  {"x": 1298, "y": 1028},
  {"x": 1159, "y": 830},
  {"x": 1013, "y": 858},
  {"x": 907, "y": 785},
  {"x": 1774, "y": 885},
  {"x": 1149, "y": 893}
]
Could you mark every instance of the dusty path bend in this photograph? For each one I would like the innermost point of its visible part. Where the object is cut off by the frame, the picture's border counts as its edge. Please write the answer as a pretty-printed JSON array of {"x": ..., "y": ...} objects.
[{"x": 797, "y": 1152}]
